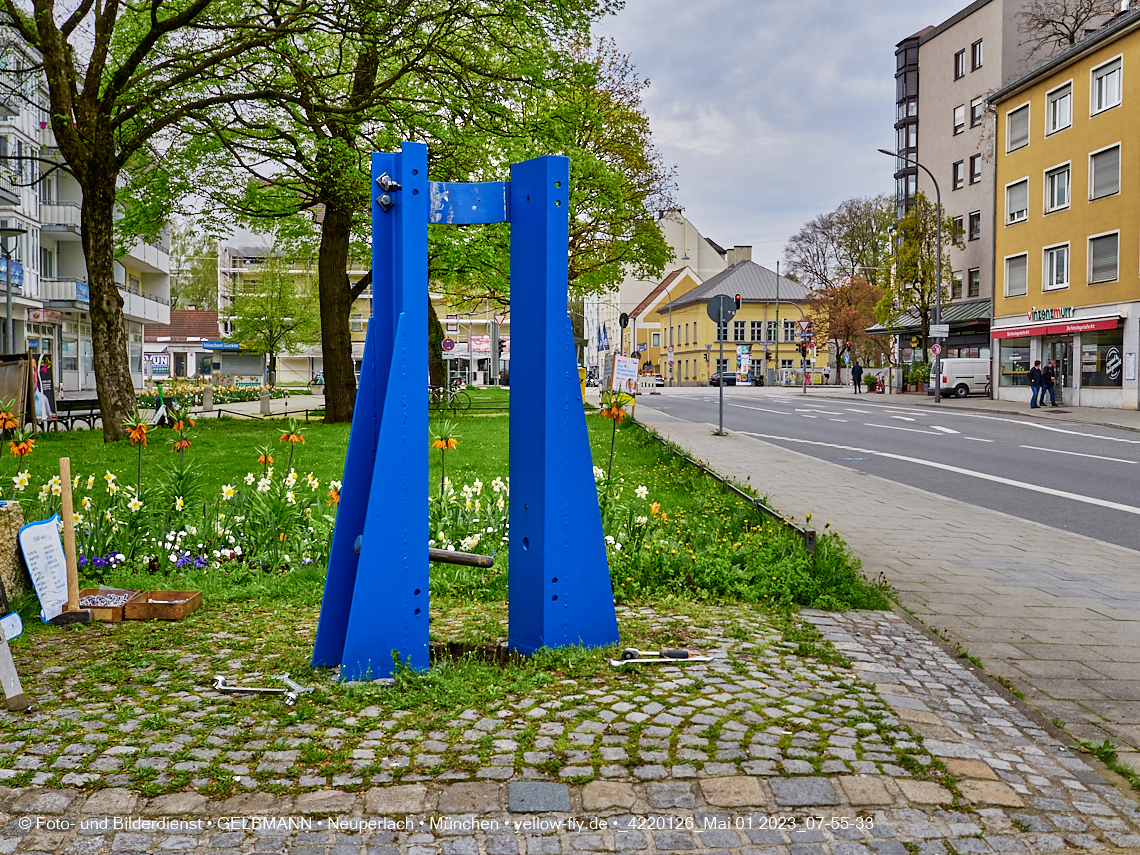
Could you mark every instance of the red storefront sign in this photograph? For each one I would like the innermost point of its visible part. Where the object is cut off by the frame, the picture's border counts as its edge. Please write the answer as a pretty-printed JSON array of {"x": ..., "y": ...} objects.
[{"x": 1072, "y": 326}]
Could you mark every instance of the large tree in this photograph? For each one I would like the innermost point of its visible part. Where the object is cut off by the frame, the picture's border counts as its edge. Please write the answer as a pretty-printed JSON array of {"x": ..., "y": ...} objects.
[
  {"x": 916, "y": 287},
  {"x": 120, "y": 76},
  {"x": 444, "y": 73},
  {"x": 193, "y": 268},
  {"x": 841, "y": 312},
  {"x": 1057, "y": 24},
  {"x": 851, "y": 242}
]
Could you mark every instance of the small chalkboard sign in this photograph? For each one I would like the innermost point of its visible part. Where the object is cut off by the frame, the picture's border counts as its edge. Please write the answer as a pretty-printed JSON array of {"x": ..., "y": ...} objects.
[{"x": 43, "y": 553}]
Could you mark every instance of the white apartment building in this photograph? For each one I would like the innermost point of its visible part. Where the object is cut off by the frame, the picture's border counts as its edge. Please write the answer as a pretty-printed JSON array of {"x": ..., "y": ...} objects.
[{"x": 50, "y": 293}]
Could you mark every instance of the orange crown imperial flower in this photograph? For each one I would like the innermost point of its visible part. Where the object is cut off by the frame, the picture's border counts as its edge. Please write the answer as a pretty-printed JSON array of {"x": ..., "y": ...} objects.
[
  {"x": 448, "y": 443},
  {"x": 334, "y": 497},
  {"x": 292, "y": 437},
  {"x": 22, "y": 448},
  {"x": 181, "y": 444},
  {"x": 265, "y": 459},
  {"x": 138, "y": 434},
  {"x": 8, "y": 421}
]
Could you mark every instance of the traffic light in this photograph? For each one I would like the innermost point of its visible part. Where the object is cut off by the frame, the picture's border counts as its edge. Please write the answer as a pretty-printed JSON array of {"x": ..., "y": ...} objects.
[
  {"x": 803, "y": 349},
  {"x": 502, "y": 346},
  {"x": 767, "y": 355},
  {"x": 737, "y": 298}
]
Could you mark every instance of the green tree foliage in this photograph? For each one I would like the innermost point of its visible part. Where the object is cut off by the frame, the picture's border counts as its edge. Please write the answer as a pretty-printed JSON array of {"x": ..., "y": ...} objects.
[
  {"x": 915, "y": 287},
  {"x": 275, "y": 310},
  {"x": 120, "y": 77},
  {"x": 193, "y": 268}
]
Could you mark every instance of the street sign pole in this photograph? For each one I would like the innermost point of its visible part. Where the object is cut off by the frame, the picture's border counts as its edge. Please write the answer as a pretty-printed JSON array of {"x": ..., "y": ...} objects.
[{"x": 720, "y": 329}]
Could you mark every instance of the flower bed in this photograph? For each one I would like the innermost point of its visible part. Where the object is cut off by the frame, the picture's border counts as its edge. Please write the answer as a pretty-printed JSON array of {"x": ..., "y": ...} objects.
[{"x": 190, "y": 394}]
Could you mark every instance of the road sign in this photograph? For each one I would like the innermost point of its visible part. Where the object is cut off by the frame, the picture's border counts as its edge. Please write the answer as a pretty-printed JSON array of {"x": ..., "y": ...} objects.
[
  {"x": 936, "y": 349},
  {"x": 805, "y": 325},
  {"x": 670, "y": 348},
  {"x": 623, "y": 320},
  {"x": 939, "y": 330},
  {"x": 721, "y": 303},
  {"x": 448, "y": 344}
]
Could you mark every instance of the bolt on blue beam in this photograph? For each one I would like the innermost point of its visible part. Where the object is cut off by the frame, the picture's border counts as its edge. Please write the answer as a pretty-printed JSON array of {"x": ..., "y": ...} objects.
[{"x": 560, "y": 589}]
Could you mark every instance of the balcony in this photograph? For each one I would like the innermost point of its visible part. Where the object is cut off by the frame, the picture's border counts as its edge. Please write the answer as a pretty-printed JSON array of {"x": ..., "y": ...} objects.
[
  {"x": 76, "y": 294},
  {"x": 64, "y": 292},
  {"x": 151, "y": 257},
  {"x": 9, "y": 190},
  {"x": 60, "y": 220}
]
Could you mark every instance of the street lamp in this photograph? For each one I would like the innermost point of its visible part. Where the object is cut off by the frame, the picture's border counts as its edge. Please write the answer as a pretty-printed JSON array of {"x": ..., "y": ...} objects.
[
  {"x": 669, "y": 294},
  {"x": 938, "y": 271},
  {"x": 5, "y": 233}
]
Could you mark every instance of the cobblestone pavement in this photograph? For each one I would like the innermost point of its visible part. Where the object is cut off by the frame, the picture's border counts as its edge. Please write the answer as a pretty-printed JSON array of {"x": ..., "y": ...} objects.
[{"x": 762, "y": 750}]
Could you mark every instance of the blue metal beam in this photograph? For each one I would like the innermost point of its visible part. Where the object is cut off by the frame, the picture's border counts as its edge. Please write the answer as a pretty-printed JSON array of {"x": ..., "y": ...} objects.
[{"x": 459, "y": 204}]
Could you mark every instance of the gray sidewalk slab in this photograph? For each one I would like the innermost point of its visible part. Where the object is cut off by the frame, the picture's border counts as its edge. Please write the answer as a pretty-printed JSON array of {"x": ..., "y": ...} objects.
[{"x": 1050, "y": 611}]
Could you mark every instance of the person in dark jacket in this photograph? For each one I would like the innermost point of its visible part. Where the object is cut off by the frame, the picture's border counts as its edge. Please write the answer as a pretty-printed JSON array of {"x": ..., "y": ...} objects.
[
  {"x": 1048, "y": 384},
  {"x": 857, "y": 376},
  {"x": 1035, "y": 378}
]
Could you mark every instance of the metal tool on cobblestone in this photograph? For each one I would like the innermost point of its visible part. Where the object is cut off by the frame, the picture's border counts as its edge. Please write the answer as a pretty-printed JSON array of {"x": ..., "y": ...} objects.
[
  {"x": 292, "y": 690},
  {"x": 633, "y": 656}
]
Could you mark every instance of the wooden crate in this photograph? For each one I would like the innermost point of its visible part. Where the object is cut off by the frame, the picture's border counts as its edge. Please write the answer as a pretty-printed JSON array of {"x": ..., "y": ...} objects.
[
  {"x": 163, "y": 605},
  {"x": 108, "y": 614}
]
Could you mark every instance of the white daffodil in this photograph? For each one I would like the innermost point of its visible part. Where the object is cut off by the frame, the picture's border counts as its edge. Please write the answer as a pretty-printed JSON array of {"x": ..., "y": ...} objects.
[
  {"x": 179, "y": 503},
  {"x": 134, "y": 504},
  {"x": 642, "y": 491},
  {"x": 228, "y": 491},
  {"x": 334, "y": 485},
  {"x": 250, "y": 478}
]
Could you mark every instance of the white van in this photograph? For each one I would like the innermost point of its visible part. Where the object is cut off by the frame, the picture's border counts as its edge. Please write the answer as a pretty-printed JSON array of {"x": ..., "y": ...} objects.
[{"x": 962, "y": 377}]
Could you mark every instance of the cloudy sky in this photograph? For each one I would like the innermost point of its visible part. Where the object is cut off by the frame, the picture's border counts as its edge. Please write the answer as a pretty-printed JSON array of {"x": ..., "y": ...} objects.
[{"x": 771, "y": 109}]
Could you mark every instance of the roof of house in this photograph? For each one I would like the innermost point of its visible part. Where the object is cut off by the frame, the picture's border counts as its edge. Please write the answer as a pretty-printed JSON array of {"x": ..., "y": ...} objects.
[
  {"x": 656, "y": 292},
  {"x": 956, "y": 312},
  {"x": 754, "y": 284},
  {"x": 185, "y": 325}
]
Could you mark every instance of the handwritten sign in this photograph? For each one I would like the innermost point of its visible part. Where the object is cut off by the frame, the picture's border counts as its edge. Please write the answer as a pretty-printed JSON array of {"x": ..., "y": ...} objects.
[{"x": 43, "y": 553}]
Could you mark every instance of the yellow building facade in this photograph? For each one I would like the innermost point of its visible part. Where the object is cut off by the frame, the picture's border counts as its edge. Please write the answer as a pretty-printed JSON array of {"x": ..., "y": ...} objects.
[
  {"x": 1067, "y": 222},
  {"x": 764, "y": 334}
]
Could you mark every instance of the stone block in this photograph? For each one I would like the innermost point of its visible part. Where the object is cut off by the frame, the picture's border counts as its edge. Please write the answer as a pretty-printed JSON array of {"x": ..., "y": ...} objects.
[
  {"x": 256, "y": 804},
  {"x": 971, "y": 769},
  {"x": 990, "y": 793},
  {"x": 395, "y": 800},
  {"x": 537, "y": 797},
  {"x": 864, "y": 790},
  {"x": 324, "y": 801},
  {"x": 43, "y": 801},
  {"x": 477, "y": 797},
  {"x": 176, "y": 804},
  {"x": 670, "y": 794},
  {"x": 600, "y": 795},
  {"x": 924, "y": 792},
  {"x": 736, "y": 791},
  {"x": 113, "y": 801},
  {"x": 806, "y": 791}
]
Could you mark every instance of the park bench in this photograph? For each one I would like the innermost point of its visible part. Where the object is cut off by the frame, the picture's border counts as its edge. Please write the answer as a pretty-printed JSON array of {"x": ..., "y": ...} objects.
[{"x": 71, "y": 410}]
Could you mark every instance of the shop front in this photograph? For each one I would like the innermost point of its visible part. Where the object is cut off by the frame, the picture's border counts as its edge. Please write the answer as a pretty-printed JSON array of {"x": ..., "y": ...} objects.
[{"x": 1093, "y": 353}]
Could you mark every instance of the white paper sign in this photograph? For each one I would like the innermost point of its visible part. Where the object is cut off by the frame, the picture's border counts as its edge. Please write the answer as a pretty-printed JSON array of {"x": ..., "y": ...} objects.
[
  {"x": 625, "y": 375},
  {"x": 47, "y": 565},
  {"x": 1130, "y": 366}
]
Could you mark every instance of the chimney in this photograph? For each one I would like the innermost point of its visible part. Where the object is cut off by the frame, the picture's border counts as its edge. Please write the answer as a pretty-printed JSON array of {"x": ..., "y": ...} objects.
[{"x": 741, "y": 253}]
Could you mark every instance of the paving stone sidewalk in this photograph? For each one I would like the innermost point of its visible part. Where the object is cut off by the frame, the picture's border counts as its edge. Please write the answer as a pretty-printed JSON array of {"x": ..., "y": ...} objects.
[{"x": 1011, "y": 787}]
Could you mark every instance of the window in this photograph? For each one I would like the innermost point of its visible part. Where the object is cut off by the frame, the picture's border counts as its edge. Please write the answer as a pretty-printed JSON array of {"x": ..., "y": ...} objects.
[
  {"x": 47, "y": 262},
  {"x": 975, "y": 225},
  {"x": 755, "y": 328},
  {"x": 959, "y": 119},
  {"x": 1106, "y": 88},
  {"x": 356, "y": 323},
  {"x": 687, "y": 333},
  {"x": 1104, "y": 173},
  {"x": 956, "y": 287},
  {"x": 738, "y": 330},
  {"x": 1016, "y": 276},
  {"x": 770, "y": 332},
  {"x": 1017, "y": 201},
  {"x": 1017, "y": 128},
  {"x": 1056, "y": 268},
  {"x": 975, "y": 169},
  {"x": 1057, "y": 189},
  {"x": 722, "y": 331},
  {"x": 974, "y": 282},
  {"x": 977, "y": 111},
  {"x": 957, "y": 228},
  {"x": 959, "y": 65},
  {"x": 1102, "y": 358},
  {"x": 655, "y": 339},
  {"x": 959, "y": 174},
  {"x": 69, "y": 355},
  {"x": 1014, "y": 357},
  {"x": 1104, "y": 254},
  {"x": 976, "y": 55},
  {"x": 722, "y": 366},
  {"x": 789, "y": 330},
  {"x": 1059, "y": 109}
]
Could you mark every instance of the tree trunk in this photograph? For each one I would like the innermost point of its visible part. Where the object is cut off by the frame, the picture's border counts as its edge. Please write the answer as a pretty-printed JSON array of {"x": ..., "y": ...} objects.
[
  {"x": 336, "y": 304},
  {"x": 108, "y": 325},
  {"x": 437, "y": 370}
]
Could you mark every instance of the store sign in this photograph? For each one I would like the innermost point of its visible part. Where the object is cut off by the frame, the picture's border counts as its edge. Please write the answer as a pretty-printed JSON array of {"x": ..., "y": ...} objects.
[
  {"x": 220, "y": 345},
  {"x": 1091, "y": 325},
  {"x": 1057, "y": 314},
  {"x": 159, "y": 363}
]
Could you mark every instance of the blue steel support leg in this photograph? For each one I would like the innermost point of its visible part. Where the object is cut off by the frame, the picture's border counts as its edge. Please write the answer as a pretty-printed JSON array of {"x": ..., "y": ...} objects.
[{"x": 560, "y": 590}]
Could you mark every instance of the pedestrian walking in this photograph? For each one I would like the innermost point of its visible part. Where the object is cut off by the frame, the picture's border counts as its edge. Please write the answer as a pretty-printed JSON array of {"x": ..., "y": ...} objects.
[
  {"x": 1048, "y": 384},
  {"x": 1035, "y": 377},
  {"x": 857, "y": 376},
  {"x": 827, "y": 375}
]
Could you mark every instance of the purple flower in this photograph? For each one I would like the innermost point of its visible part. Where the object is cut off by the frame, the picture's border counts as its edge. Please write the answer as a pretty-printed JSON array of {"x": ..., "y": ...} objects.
[{"x": 81, "y": 561}]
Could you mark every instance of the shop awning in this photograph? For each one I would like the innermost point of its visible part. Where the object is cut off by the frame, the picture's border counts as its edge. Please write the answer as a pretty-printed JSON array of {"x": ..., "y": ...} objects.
[{"x": 1054, "y": 328}]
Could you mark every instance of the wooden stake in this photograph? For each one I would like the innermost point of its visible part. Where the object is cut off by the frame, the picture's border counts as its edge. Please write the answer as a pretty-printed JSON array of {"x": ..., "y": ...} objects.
[{"x": 69, "y": 534}]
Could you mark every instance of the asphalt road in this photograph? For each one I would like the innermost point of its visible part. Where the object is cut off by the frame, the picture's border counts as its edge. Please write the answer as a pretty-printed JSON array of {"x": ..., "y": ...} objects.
[{"x": 1072, "y": 476}]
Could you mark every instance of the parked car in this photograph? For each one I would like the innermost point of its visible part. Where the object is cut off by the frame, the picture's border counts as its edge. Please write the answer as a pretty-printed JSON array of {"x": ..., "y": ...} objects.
[
  {"x": 962, "y": 377},
  {"x": 658, "y": 380},
  {"x": 730, "y": 380}
]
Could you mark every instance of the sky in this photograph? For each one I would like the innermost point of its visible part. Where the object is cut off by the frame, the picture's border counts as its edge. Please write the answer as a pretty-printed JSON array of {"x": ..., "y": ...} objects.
[{"x": 772, "y": 110}]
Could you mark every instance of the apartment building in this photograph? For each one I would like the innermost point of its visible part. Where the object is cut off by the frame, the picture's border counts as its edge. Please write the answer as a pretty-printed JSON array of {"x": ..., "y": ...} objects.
[
  {"x": 1067, "y": 236},
  {"x": 943, "y": 76},
  {"x": 51, "y": 300}
]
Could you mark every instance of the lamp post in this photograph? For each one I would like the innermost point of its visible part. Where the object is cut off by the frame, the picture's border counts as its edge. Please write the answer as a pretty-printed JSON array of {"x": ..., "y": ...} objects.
[
  {"x": 938, "y": 271},
  {"x": 672, "y": 362},
  {"x": 5, "y": 233}
]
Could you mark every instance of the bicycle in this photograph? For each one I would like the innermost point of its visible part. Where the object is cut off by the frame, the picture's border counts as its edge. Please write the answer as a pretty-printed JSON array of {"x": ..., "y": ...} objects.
[{"x": 456, "y": 398}]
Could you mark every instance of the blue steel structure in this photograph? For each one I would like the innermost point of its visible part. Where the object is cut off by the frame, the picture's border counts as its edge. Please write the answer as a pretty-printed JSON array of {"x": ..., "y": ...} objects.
[{"x": 375, "y": 605}]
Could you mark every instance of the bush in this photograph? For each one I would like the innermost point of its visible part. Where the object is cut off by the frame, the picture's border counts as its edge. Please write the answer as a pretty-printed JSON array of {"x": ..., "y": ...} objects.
[{"x": 919, "y": 374}]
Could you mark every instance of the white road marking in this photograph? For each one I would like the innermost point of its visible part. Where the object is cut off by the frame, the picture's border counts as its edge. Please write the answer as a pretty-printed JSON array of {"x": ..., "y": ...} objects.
[
  {"x": 1078, "y": 454},
  {"x": 822, "y": 412},
  {"x": 958, "y": 470},
  {"x": 903, "y": 418},
  {"x": 977, "y": 439},
  {"x": 863, "y": 412},
  {"x": 944, "y": 429},
  {"x": 838, "y": 420},
  {"x": 806, "y": 416},
  {"x": 1051, "y": 428},
  {"x": 900, "y": 427},
  {"x": 761, "y": 409}
]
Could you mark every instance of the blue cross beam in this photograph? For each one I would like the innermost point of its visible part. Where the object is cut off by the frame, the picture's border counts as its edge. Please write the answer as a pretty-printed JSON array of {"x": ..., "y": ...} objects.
[{"x": 376, "y": 606}]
